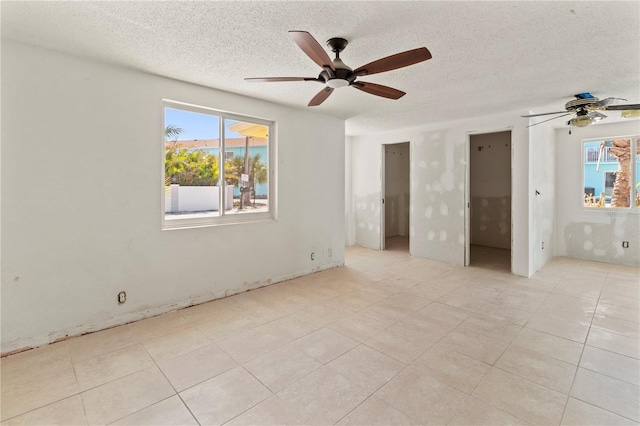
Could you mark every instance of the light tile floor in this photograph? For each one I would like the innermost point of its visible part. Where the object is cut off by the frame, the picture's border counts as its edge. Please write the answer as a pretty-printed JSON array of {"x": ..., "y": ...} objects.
[{"x": 387, "y": 339}]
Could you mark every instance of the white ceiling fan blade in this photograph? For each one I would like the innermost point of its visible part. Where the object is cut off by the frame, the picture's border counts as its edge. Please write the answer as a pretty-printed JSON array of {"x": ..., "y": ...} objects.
[{"x": 553, "y": 118}]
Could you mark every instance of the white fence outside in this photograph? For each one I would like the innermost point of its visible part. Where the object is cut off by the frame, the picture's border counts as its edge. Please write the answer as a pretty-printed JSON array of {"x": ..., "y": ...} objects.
[{"x": 181, "y": 199}]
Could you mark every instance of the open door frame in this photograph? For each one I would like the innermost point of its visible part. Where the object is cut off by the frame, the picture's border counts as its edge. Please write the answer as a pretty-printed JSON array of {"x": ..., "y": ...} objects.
[
  {"x": 383, "y": 177},
  {"x": 467, "y": 191}
]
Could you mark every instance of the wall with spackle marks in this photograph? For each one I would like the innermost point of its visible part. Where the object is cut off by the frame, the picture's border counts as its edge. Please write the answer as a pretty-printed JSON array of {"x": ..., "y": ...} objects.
[
  {"x": 590, "y": 233},
  {"x": 438, "y": 184},
  {"x": 491, "y": 221}
]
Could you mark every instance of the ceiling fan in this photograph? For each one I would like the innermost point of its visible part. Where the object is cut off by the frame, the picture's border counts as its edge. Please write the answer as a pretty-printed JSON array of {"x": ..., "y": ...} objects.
[
  {"x": 587, "y": 107},
  {"x": 336, "y": 74}
]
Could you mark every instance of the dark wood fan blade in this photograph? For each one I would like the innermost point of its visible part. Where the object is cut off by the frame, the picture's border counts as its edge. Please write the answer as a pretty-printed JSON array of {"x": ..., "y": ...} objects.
[
  {"x": 622, "y": 107},
  {"x": 552, "y": 118},
  {"x": 393, "y": 62},
  {"x": 312, "y": 48},
  {"x": 321, "y": 96},
  {"x": 543, "y": 113},
  {"x": 272, "y": 79},
  {"x": 379, "y": 90}
]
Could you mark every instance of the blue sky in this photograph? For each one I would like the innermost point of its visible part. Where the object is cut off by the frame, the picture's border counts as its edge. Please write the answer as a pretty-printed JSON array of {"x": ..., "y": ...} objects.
[{"x": 195, "y": 125}]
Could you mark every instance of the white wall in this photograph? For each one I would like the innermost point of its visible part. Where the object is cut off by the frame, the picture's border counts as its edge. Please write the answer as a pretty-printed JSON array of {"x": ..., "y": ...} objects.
[
  {"x": 396, "y": 190},
  {"x": 542, "y": 174},
  {"x": 594, "y": 234},
  {"x": 349, "y": 206},
  {"x": 490, "y": 189},
  {"x": 73, "y": 126},
  {"x": 438, "y": 167}
]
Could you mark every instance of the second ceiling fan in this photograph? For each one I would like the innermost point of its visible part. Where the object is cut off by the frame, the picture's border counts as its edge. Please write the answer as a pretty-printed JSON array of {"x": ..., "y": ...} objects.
[{"x": 336, "y": 74}]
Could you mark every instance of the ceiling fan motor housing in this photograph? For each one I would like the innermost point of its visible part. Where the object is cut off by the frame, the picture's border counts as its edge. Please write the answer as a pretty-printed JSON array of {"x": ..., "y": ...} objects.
[
  {"x": 342, "y": 75},
  {"x": 579, "y": 103}
]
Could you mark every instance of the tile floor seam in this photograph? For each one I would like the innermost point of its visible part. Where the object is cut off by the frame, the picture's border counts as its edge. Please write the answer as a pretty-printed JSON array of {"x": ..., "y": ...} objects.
[
  {"x": 137, "y": 411},
  {"x": 498, "y": 408},
  {"x": 44, "y": 406},
  {"x": 84, "y": 409},
  {"x": 608, "y": 375},
  {"x": 117, "y": 378},
  {"x": 532, "y": 380},
  {"x": 575, "y": 374},
  {"x": 261, "y": 382},
  {"x": 251, "y": 407},
  {"x": 602, "y": 408}
]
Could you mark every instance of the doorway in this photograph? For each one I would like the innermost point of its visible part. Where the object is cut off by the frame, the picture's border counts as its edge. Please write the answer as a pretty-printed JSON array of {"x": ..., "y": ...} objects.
[
  {"x": 488, "y": 221},
  {"x": 394, "y": 226}
]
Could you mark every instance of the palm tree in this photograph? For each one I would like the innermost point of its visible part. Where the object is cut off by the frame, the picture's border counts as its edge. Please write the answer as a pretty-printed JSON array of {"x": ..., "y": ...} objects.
[
  {"x": 235, "y": 168},
  {"x": 259, "y": 172},
  {"x": 621, "y": 148},
  {"x": 171, "y": 132}
]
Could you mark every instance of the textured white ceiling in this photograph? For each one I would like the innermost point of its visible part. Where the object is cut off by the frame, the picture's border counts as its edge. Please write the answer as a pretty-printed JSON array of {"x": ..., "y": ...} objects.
[{"x": 488, "y": 57}]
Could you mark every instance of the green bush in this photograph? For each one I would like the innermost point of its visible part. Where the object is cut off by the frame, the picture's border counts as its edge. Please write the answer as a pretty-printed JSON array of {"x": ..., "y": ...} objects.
[{"x": 190, "y": 168}]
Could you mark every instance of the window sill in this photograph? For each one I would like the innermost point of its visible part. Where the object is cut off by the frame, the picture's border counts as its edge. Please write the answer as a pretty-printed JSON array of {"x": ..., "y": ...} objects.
[{"x": 205, "y": 222}]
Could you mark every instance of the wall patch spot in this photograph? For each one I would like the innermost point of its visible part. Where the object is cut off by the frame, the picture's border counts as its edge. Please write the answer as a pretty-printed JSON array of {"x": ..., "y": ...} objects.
[
  {"x": 428, "y": 212},
  {"x": 588, "y": 245},
  {"x": 504, "y": 228},
  {"x": 461, "y": 239},
  {"x": 431, "y": 235},
  {"x": 422, "y": 165},
  {"x": 444, "y": 209},
  {"x": 588, "y": 230},
  {"x": 443, "y": 235},
  {"x": 447, "y": 181}
]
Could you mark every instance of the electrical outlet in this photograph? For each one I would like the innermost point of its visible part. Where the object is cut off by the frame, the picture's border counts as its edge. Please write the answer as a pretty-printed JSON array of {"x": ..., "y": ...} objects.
[
  {"x": 122, "y": 297},
  {"x": 313, "y": 256},
  {"x": 625, "y": 244},
  {"x": 543, "y": 245},
  {"x": 330, "y": 252}
]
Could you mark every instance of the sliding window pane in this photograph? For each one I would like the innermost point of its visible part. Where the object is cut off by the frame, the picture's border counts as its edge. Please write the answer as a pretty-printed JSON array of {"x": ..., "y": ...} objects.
[
  {"x": 192, "y": 165},
  {"x": 246, "y": 147}
]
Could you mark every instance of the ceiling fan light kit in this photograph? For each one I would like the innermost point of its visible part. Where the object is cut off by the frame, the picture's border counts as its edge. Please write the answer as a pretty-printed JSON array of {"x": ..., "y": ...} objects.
[
  {"x": 336, "y": 74},
  {"x": 586, "y": 107}
]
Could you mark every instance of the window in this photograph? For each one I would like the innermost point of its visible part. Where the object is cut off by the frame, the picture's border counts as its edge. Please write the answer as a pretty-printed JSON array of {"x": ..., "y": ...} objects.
[
  {"x": 218, "y": 167},
  {"x": 610, "y": 178}
]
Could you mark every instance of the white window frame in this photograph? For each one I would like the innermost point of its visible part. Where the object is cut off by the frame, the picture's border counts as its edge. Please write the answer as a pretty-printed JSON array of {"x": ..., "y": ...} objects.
[
  {"x": 223, "y": 218},
  {"x": 635, "y": 140}
]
